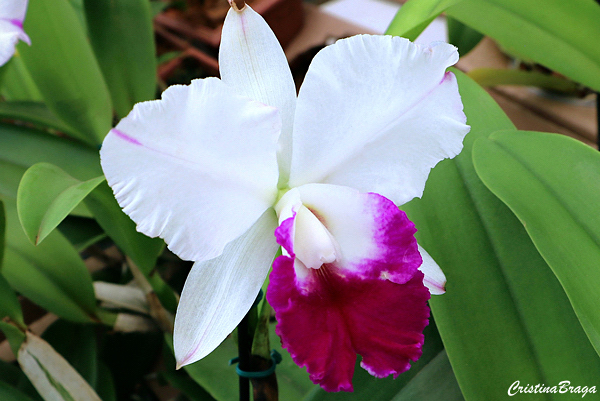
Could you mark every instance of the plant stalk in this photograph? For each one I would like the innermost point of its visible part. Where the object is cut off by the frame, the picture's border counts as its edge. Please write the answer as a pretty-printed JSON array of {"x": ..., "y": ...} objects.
[{"x": 244, "y": 349}]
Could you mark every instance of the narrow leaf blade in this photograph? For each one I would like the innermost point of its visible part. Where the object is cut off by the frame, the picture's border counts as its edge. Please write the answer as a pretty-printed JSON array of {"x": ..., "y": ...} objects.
[
  {"x": 123, "y": 41},
  {"x": 65, "y": 70},
  {"x": 51, "y": 274},
  {"x": 46, "y": 195}
]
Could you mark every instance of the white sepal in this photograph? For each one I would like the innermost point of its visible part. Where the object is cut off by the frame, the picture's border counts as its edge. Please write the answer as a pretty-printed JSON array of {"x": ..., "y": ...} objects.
[
  {"x": 219, "y": 292},
  {"x": 252, "y": 62}
]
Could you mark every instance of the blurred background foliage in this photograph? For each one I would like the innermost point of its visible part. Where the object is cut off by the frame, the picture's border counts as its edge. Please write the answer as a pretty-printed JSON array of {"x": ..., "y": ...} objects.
[{"x": 513, "y": 221}]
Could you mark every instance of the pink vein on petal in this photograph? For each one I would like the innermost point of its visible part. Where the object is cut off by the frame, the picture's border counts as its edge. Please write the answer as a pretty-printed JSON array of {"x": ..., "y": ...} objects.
[
  {"x": 126, "y": 137},
  {"x": 16, "y": 22}
]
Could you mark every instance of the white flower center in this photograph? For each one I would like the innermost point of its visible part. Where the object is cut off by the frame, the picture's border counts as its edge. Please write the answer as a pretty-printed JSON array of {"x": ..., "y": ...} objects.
[{"x": 313, "y": 244}]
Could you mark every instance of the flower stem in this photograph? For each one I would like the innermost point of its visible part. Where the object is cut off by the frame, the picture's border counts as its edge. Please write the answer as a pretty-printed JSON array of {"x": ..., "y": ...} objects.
[{"x": 244, "y": 348}]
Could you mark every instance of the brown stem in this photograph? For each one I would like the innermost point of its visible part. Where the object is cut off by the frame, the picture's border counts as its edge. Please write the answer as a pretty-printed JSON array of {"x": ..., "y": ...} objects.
[{"x": 264, "y": 388}]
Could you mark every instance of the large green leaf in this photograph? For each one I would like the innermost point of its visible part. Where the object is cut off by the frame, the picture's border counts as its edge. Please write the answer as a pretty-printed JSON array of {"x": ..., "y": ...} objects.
[
  {"x": 65, "y": 70},
  {"x": 554, "y": 33},
  {"x": 123, "y": 40},
  {"x": 51, "y": 274},
  {"x": 495, "y": 319},
  {"x": 46, "y": 196},
  {"x": 552, "y": 183}
]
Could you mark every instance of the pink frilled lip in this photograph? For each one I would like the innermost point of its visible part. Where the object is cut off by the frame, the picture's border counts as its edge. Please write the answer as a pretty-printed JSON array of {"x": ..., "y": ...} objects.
[{"x": 327, "y": 316}]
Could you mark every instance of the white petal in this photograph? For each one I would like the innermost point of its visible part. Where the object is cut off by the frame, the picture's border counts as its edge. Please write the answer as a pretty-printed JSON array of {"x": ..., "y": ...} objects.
[
  {"x": 252, "y": 62},
  {"x": 13, "y": 9},
  {"x": 218, "y": 293},
  {"x": 196, "y": 168},
  {"x": 434, "y": 279},
  {"x": 10, "y": 34},
  {"x": 377, "y": 113}
]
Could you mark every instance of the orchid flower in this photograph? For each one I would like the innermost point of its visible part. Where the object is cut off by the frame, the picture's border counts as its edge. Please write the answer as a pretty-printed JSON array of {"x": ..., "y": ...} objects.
[
  {"x": 216, "y": 167},
  {"x": 12, "y": 15}
]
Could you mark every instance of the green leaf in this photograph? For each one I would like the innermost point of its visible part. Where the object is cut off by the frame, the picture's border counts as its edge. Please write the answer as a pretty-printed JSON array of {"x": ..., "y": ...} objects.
[
  {"x": 81, "y": 232},
  {"x": 437, "y": 372},
  {"x": 51, "y": 274},
  {"x": 105, "y": 386},
  {"x": 22, "y": 147},
  {"x": 77, "y": 344},
  {"x": 14, "y": 335},
  {"x": 415, "y": 15},
  {"x": 16, "y": 83},
  {"x": 554, "y": 33},
  {"x": 9, "y": 373},
  {"x": 141, "y": 249},
  {"x": 10, "y": 393},
  {"x": 9, "y": 304},
  {"x": 33, "y": 112},
  {"x": 192, "y": 390},
  {"x": 462, "y": 36},
  {"x": 65, "y": 69},
  {"x": 552, "y": 183},
  {"x": 2, "y": 232},
  {"x": 120, "y": 228},
  {"x": 493, "y": 77},
  {"x": 123, "y": 39},
  {"x": 495, "y": 319},
  {"x": 46, "y": 196}
]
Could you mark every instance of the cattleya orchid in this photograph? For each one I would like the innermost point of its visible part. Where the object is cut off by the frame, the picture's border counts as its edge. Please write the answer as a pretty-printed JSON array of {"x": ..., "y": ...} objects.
[
  {"x": 12, "y": 15},
  {"x": 216, "y": 167}
]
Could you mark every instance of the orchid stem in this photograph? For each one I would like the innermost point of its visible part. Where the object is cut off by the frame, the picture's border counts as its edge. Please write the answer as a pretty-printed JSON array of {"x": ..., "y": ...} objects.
[{"x": 244, "y": 348}]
